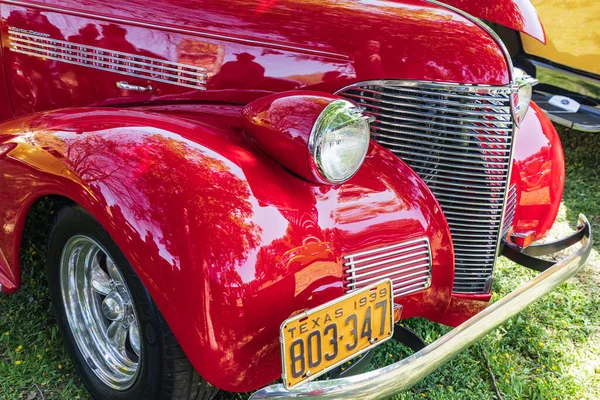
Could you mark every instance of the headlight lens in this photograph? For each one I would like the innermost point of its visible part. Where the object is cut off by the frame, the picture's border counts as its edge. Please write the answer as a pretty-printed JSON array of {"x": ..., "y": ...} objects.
[
  {"x": 526, "y": 84},
  {"x": 339, "y": 141}
]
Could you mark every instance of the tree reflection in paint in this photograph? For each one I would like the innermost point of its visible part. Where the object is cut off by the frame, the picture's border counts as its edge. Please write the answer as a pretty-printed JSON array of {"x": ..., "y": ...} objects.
[{"x": 175, "y": 190}]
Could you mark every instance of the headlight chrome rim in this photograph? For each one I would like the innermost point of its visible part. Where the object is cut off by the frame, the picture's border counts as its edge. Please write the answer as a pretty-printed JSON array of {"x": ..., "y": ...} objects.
[{"x": 352, "y": 115}]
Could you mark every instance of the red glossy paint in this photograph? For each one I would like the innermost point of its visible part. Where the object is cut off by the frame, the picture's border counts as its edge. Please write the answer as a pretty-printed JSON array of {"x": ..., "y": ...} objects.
[
  {"x": 519, "y": 15},
  {"x": 248, "y": 49},
  {"x": 228, "y": 242},
  {"x": 281, "y": 125},
  {"x": 5, "y": 105},
  {"x": 539, "y": 173},
  {"x": 198, "y": 210}
]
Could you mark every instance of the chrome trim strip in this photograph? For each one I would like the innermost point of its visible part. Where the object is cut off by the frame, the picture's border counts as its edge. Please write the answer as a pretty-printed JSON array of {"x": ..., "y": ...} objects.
[
  {"x": 56, "y": 55},
  {"x": 436, "y": 130},
  {"x": 467, "y": 161},
  {"x": 451, "y": 125},
  {"x": 111, "y": 70},
  {"x": 384, "y": 248},
  {"x": 387, "y": 261},
  {"x": 479, "y": 157},
  {"x": 509, "y": 212},
  {"x": 86, "y": 56},
  {"x": 77, "y": 46},
  {"x": 126, "y": 86},
  {"x": 432, "y": 108},
  {"x": 398, "y": 262},
  {"x": 354, "y": 285},
  {"x": 392, "y": 268},
  {"x": 490, "y": 225},
  {"x": 426, "y": 136},
  {"x": 388, "y": 381},
  {"x": 451, "y": 93}
]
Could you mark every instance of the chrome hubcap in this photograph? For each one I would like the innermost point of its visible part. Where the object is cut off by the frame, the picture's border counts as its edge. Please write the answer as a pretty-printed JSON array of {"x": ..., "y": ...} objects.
[{"x": 100, "y": 312}]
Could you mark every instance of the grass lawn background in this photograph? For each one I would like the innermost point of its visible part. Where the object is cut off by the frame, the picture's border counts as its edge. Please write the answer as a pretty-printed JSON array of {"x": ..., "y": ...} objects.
[{"x": 550, "y": 351}]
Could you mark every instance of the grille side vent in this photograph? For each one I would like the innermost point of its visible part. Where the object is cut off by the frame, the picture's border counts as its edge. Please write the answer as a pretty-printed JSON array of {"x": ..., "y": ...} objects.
[
  {"x": 407, "y": 264},
  {"x": 458, "y": 138}
]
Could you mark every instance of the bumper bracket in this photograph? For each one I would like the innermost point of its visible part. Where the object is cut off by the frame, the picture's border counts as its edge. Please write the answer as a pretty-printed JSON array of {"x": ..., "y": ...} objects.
[{"x": 526, "y": 256}]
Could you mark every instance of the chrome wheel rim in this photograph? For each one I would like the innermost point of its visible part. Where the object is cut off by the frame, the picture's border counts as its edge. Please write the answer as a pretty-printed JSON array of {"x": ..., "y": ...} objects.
[{"x": 100, "y": 311}]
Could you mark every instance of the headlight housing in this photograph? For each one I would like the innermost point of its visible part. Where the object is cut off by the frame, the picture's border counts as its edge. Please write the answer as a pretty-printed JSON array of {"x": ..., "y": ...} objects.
[
  {"x": 339, "y": 141},
  {"x": 317, "y": 136},
  {"x": 525, "y": 90}
]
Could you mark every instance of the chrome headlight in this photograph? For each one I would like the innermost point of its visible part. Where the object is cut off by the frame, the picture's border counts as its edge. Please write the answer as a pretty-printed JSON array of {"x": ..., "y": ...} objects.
[
  {"x": 525, "y": 83},
  {"x": 339, "y": 141}
]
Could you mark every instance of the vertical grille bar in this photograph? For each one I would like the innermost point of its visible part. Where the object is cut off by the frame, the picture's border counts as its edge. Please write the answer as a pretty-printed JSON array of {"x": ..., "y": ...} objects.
[{"x": 458, "y": 138}]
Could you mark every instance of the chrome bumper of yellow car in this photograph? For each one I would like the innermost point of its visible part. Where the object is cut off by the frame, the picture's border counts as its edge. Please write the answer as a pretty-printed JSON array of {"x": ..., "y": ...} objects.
[{"x": 400, "y": 376}]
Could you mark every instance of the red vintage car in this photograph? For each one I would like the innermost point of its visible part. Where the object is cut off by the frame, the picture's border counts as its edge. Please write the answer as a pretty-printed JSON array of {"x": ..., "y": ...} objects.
[{"x": 253, "y": 190}]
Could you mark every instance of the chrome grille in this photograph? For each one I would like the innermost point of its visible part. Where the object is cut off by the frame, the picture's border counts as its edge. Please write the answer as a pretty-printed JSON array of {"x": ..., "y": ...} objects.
[
  {"x": 153, "y": 69},
  {"x": 509, "y": 213},
  {"x": 407, "y": 264},
  {"x": 458, "y": 138}
]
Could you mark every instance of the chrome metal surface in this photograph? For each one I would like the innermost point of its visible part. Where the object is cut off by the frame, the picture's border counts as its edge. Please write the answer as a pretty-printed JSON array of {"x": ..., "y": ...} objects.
[
  {"x": 407, "y": 264},
  {"x": 509, "y": 211},
  {"x": 523, "y": 79},
  {"x": 525, "y": 84},
  {"x": 100, "y": 312},
  {"x": 126, "y": 86},
  {"x": 458, "y": 138},
  {"x": 153, "y": 69},
  {"x": 336, "y": 115},
  {"x": 388, "y": 381}
]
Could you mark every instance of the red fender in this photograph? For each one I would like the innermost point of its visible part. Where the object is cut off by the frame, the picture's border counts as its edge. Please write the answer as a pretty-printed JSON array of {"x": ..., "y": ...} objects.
[
  {"x": 519, "y": 15},
  {"x": 227, "y": 242},
  {"x": 539, "y": 174}
]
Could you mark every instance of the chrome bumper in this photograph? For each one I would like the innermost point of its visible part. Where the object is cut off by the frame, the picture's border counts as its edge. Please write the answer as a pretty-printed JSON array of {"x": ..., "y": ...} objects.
[{"x": 400, "y": 376}]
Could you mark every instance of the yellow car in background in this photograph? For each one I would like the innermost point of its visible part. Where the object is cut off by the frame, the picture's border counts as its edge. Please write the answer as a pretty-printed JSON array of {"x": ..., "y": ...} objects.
[{"x": 567, "y": 65}]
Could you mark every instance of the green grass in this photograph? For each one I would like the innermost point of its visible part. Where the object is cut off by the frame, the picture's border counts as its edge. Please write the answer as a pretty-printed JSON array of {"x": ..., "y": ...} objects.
[{"x": 551, "y": 350}]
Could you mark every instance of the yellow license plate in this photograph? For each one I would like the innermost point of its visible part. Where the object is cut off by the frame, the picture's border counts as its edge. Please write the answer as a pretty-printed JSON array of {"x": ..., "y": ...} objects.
[{"x": 320, "y": 339}]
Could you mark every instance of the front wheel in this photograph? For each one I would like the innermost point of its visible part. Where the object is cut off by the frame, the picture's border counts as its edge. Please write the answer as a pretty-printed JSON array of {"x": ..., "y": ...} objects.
[{"x": 115, "y": 335}]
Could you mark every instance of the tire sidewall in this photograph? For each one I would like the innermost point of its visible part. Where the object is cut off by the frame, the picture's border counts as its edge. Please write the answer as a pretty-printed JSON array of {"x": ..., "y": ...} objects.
[{"x": 74, "y": 220}]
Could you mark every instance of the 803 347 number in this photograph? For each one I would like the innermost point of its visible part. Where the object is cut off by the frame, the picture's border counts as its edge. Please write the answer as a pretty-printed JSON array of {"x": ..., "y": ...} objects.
[{"x": 324, "y": 337}]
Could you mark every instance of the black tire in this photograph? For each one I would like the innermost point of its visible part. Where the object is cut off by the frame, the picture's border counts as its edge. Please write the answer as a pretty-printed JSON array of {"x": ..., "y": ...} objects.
[{"x": 164, "y": 372}]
